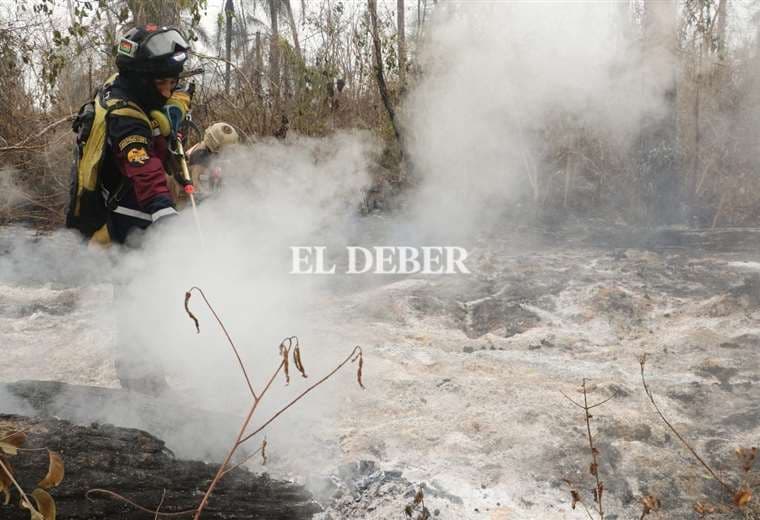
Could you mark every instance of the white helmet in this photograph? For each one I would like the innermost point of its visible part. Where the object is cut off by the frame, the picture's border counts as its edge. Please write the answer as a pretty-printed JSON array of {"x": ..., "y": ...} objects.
[{"x": 219, "y": 135}]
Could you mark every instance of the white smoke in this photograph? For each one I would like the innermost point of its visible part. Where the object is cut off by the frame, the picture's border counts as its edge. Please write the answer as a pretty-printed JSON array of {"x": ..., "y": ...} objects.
[
  {"x": 276, "y": 195},
  {"x": 494, "y": 73}
]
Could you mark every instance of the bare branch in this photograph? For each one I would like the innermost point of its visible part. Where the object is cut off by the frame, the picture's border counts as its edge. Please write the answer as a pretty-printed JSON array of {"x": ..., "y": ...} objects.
[
  {"x": 224, "y": 329},
  {"x": 22, "y": 144},
  {"x": 349, "y": 358}
]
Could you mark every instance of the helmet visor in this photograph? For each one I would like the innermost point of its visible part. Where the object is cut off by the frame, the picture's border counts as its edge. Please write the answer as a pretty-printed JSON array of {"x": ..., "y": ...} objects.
[{"x": 165, "y": 43}]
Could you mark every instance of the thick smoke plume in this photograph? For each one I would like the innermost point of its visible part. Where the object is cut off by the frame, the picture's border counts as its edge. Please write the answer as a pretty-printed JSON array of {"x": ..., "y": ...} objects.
[{"x": 496, "y": 75}]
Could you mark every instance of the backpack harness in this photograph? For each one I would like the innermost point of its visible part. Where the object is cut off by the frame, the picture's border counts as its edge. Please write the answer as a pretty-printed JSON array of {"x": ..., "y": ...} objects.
[{"x": 89, "y": 200}]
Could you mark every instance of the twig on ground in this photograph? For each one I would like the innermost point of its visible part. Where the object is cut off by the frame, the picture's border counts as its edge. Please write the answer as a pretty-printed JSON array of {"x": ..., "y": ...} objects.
[
  {"x": 137, "y": 506},
  {"x": 642, "y": 363}
]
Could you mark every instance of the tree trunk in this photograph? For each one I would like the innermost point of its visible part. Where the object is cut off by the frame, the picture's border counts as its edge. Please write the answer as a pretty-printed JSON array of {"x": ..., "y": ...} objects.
[
  {"x": 722, "y": 22},
  {"x": 294, "y": 30},
  {"x": 138, "y": 466},
  {"x": 274, "y": 58},
  {"x": 379, "y": 74},
  {"x": 658, "y": 160},
  {"x": 401, "y": 45},
  {"x": 300, "y": 65},
  {"x": 228, "y": 12},
  {"x": 259, "y": 67}
]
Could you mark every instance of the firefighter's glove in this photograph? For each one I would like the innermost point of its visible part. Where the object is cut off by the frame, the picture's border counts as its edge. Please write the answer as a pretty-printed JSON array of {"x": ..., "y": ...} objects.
[{"x": 182, "y": 180}]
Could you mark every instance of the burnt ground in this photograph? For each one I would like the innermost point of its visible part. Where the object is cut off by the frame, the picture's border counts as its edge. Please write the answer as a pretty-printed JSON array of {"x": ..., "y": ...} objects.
[
  {"x": 465, "y": 374},
  {"x": 468, "y": 391}
]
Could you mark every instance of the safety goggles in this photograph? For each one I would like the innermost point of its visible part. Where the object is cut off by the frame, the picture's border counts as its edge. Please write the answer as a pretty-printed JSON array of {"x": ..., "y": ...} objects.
[{"x": 165, "y": 43}]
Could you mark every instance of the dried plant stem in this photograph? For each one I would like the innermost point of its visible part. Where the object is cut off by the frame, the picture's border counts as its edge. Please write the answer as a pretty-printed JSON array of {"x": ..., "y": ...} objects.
[
  {"x": 642, "y": 362},
  {"x": 241, "y": 438},
  {"x": 136, "y": 505},
  {"x": 249, "y": 457},
  {"x": 220, "y": 472},
  {"x": 158, "y": 509},
  {"x": 289, "y": 346},
  {"x": 599, "y": 486},
  {"x": 357, "y": 350},
  {"x": 594, "y": 468},
  {"x": 15, "y": 483},
  {"x": 587, "y": 511},
  {"x": 229, "y": 339}
]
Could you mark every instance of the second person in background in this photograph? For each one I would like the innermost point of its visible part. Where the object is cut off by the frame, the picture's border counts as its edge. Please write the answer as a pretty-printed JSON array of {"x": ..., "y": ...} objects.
[{"x": 204, "y": 163}]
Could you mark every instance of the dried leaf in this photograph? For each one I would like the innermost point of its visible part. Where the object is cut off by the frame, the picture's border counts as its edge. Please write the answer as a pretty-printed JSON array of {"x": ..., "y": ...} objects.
[
  {"x": 650, "y": 504},
  {"x": 593, "y": 468},
  {"x": 285, "y": 365},
  {"x": 264, "y": 452},
  {"x": 189, "y": 313},
  {"x": 360, "y": 357},
  {"x": 45, "y": 504},
  {"x": 746, "y": 457},
  {"x": 576, "y": 498},
  {"x": 35, "y": 515},
  {"x": 297, "y": 360},
  {"x": 742, "y": 497},
  {"x": 55, "y": 471},
  {"x": 12, "y": 442},
  {"x": 408, "y": 510},
  {"x": 419, "y": 496},
  {"x": 704, "y": 508},
  {"x": 601, "y": 490}
]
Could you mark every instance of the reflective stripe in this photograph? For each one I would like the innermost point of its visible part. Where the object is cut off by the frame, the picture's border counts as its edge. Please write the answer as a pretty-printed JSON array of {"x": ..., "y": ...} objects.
[{"x": 129, "y": 212}]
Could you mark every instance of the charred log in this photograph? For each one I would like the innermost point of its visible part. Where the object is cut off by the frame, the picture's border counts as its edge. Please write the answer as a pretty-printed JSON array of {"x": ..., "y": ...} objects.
[{"x": 138, "y": 466}]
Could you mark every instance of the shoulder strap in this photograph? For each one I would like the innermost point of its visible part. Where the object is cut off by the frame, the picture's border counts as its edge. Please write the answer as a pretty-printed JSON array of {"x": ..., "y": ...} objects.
[
  {"x": 124, "y": 108},
  {"x": 120, "y": 106}
]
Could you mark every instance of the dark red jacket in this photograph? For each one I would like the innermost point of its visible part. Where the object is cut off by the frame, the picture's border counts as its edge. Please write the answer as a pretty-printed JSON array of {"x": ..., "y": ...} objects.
[{"x": 135, "y": 165}]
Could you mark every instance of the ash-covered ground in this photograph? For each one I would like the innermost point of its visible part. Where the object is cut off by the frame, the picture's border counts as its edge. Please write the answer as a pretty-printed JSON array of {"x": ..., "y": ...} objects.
[{"x": 465, "y": 373}]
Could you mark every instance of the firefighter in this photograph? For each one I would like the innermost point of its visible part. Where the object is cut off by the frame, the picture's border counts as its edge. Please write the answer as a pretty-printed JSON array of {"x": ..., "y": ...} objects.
[{"x": 119, "y": 181}]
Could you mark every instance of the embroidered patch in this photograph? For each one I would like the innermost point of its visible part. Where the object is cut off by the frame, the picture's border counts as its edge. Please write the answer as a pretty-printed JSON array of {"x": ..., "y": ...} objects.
[
  {"x": 132, "y": 139},
  {"x": 128, "y": 47},
  {"x": 137, "y": 156}
]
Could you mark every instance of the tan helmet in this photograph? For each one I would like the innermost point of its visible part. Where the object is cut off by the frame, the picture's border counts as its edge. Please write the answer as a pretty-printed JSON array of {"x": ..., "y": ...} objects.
[{"x": 219, "y": 135}]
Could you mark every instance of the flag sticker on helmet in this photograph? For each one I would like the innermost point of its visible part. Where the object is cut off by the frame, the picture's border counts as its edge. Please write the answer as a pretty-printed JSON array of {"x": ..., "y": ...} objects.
[
  {"x": 137, "y": 156},
  {"x": 127, "y": 47}
]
